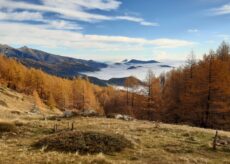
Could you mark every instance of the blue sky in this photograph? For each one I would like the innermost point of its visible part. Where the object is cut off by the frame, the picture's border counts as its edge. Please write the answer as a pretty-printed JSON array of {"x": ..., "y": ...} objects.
[{"x": 116, "y": 29}]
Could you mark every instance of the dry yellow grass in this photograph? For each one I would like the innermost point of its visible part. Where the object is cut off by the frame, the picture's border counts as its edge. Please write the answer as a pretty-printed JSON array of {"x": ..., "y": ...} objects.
[
  {"x": 167, "y": 144},
  {"x": 19, "y": 105},
  {"x": 152, "y": 144}
]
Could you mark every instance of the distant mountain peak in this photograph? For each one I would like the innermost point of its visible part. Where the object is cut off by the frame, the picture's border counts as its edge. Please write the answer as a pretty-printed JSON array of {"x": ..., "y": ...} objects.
[
  {"x": 4, "y": 46},
  {"x": 24, "y": 47},
  {"x": 135, "y": 61},
  {"x": 124, "y": 61}
]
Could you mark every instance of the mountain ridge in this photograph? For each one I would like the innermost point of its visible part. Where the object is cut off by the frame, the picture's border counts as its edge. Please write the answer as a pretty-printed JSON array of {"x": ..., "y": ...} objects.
[
  {"x": 34, "y": 57},
  {"x": 57, "y": 65},
  {"x": 135, "y": 61}
]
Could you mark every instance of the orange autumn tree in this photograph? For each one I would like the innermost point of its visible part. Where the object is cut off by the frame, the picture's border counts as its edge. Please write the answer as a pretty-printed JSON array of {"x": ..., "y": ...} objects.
[
  {"x": 38, "y": 104},
  {"x": 131, "y": 83},
  {"x": 54, "y": 91},
  {"x": 199, "y": 92}
]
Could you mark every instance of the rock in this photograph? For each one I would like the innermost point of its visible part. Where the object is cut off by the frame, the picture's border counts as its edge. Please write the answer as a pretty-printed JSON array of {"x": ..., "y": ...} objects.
[
  {"x": 128, "y": 118},
  {"x": 88, "y": 113},
  {"x": 74, "y": 113},
  {"x": 223, "y": 142},
  {"x": 35, "y": 110},
  {"x": 69, "y": 114},
  {"x": 66, "y": 114},
  {"x": 120, "y": 117}
]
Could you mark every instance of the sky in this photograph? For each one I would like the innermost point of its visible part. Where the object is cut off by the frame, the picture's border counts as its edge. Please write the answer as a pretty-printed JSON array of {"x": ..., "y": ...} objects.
[{"x": 113, "y": 30}]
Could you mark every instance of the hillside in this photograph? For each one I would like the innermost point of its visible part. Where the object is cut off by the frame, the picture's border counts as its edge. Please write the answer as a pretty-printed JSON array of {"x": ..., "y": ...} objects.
[
  {"x": 12, "y": 102},
  {"x": 153, "y": 142},
  {"x": 50, "y": 63}
]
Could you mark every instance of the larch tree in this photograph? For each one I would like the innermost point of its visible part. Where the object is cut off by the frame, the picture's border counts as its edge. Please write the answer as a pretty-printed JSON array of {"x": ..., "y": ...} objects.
[
  {"x": 131, "y": 83},
  {"x": 149, "y": 85},
  {"x": 38, "y": 104},
  {"x": 51, "y": 101}
]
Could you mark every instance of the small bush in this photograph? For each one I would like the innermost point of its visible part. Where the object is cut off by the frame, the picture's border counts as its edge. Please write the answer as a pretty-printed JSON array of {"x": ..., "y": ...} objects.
[
  {"x": 84, "y": 142},
  {"x": 6, "y": 126}
]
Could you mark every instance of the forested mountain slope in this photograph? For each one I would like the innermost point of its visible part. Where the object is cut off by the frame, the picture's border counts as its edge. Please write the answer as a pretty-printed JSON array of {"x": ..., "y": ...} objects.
[{"x": 50, "y": 63}]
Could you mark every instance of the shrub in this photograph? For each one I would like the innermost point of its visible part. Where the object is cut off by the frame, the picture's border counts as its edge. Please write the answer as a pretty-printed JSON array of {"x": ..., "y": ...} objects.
[{"x": 84, "y": 142}]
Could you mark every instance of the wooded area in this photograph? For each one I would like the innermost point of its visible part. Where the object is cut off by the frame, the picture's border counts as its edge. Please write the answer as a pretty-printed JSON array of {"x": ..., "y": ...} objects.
[{"x": 197, "y": 93}]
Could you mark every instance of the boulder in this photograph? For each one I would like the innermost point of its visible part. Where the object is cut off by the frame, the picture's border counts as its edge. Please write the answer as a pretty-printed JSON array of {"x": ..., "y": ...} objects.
[
  {"x": 120, "y": 117},
  {"x": 69, "y": 114},
  {"x": 88, "y": 113}
]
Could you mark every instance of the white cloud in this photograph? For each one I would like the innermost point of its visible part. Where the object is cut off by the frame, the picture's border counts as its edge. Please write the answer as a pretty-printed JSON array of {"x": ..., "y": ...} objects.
[
  {"x": 89, "y": 4},
  {"x": 37, "y": 16},
  {"x": 223, "y": 36},
  {"x": 138, "y": 20},
  {"x": 75, "y": 10},
  {"x": 39, "y": 35},
  {"x": 194, "y": 30},
  {"x": 171, "y": 43},
  {"x": 56, "y": 33},
  {"x": 210, "y": 41},
  {"x": 160, "y": 55},
  {"x": 71, "y": 14},
  {"x": 223, "y": 10},
  {"x": 144, "y": 23},
  {"x": 20, "y": 16},
  {"x": 62, "y": 25}
]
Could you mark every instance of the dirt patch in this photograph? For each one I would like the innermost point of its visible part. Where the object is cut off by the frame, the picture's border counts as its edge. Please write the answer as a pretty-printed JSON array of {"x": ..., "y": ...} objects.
[{"x": 84, "y": 142}]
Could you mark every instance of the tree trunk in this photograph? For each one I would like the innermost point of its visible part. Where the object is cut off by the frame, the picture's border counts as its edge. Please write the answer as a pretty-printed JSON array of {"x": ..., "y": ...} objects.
[
  {"x": 127, "y": 96},
  {"x": 207, "y": 112}
]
